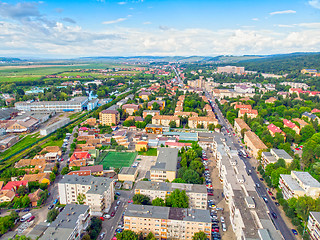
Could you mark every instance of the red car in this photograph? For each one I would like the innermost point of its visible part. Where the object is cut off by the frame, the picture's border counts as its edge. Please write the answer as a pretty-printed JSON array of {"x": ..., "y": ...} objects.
[
  {"x": 130, "y": 201},
  {"x": 210, "y": 193},
  {"x": 206, "y": 159},
  {"x": 102, "y": 218},
  {"x": 31, "y": 218},
  {"x": 270, "y": 193},
  {"x": 112, "y": 214}
]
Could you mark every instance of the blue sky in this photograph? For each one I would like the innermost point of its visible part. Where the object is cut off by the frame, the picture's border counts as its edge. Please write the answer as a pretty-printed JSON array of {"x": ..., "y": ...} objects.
[{"x": 148, "y": 27}]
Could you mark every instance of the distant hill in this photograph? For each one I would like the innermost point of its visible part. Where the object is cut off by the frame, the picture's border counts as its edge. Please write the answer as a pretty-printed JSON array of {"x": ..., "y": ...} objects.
[{"x": 9, "y": 60}]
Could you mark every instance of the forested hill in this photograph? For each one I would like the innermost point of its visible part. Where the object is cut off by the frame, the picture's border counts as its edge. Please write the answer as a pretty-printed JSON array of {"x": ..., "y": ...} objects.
[{"x": 280, "y": 64}]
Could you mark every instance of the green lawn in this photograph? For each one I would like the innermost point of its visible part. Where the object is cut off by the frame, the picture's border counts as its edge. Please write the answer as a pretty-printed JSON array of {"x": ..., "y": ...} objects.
[
  {"x": 27, "y": 140},
  {"x": 116, "y": 159},
  {"x": 150, "y": 152}
]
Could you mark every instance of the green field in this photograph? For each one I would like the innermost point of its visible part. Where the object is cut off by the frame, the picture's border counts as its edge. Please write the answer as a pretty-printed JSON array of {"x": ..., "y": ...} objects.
[{"x": 116, "y": 159}]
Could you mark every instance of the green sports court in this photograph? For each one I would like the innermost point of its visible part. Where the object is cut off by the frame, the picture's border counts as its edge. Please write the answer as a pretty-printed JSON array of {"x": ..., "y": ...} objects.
[{"x": 116, "y": 159}]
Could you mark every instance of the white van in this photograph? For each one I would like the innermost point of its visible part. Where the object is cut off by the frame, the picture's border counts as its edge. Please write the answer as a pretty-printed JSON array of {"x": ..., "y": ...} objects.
[{"x": 25, "y": 217}]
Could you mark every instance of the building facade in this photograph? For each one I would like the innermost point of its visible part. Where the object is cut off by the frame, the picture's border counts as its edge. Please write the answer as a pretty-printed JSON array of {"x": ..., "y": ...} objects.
[
  {"x": 167, "y": 223},
  {"x": 314, "y": 225},
  {"x": 109, "y": 117},
  {"x": 165, "y": 120},
  {"x": 254, "y": 144},
  {"x": 97, "y": 192}
]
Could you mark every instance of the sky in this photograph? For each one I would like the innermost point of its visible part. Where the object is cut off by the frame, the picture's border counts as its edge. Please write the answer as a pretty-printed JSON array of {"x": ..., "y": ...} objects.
[{"x": 84, "y": 28}]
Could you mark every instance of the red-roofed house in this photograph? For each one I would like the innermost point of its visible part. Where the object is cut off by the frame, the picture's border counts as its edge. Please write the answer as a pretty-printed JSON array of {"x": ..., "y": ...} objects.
[
  {"x": 315, "y": 110},
  {"x": 96, "y": 169},
  {"x": 273, "y": 129},
  {"x": 251, "y": 113},
  {"x": 289, "y": 124},
  {"x": 242, "y": 107},
  {"x": 80, "y": 173},
  {"x": 80, "y": 156},
  {"x": 14, "y": 185}
]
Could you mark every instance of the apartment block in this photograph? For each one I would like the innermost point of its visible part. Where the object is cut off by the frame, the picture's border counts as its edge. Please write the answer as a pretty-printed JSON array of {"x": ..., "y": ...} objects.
[
  {"x": 274, "y": 155},
  {"x": 76, "y": 104},
  {"x": 231, "y": 69},
  {"x": 298, "y": 184},
  {"x": 196, "y": 193},
  {"x": 130, "y": 108},
  {"x": 166, "y": 165},
  {"x": 109, "y": 117},
  {"x": 73, "y": 220},
  {"x": 98, "y": 192},
  {"x": 314, "y": 225},
  {"x": 165, "y": 120},
  {"x": 244, "y": 204},
  {"x": 251, "y": 113},
  {"x": 193, "y": 122},
  {"x": 239, "y": 125},
  {"x": 254, "y": 144},
  {"x": 167, "y": 223}
]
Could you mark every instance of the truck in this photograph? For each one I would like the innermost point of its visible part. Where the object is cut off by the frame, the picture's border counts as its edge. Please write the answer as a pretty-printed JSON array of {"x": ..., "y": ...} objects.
[{"x": 25, "y": 217}]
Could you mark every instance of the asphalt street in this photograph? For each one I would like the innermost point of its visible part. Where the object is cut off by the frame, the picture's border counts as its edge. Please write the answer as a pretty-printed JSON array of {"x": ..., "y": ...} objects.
[{"x": 262, "y": 191}]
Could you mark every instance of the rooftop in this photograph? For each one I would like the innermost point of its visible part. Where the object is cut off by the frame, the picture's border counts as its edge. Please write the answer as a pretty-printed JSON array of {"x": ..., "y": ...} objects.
[
  {"x": 146, "y": 211},
  {"x": 255, "y": 140},
  {"x": 167, "y": 159},
  {"x": 292, "y": 184},
  {"x": 316, "y": 215},
  {"x": 280, "y": 153},
  {"x": 307, "y": 179},
  {"x": 128, "y": 170},
  {"x": 166, "y": 186},
  {"x": 242, "y": 124}
]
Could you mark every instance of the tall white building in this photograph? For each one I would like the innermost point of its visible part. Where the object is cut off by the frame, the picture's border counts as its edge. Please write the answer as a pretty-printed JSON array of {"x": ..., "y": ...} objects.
[{"x": 97, "y": 192}]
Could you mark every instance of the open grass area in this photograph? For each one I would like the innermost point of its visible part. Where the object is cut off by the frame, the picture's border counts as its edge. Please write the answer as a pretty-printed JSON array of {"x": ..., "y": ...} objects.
[
  {"x": 27, "y": 140},
  {"x": 150, "y": 152},
  {"x": 116, "y": 159}
]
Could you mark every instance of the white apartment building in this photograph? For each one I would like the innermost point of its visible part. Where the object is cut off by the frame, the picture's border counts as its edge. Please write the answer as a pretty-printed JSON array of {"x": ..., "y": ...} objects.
[
  {"x": 247, "y": 219},
  {"x": 314, "y": 225},
  {"x": 299, "y": 184},
  {"x": 166, "y": 165},
  {"x": 69, "y": 224},
  {"x": 98, "y": 192},
  {"x": 274, "y": 155},
  {"x": 196, "y": 193},
  {"x": 167, "y": 223},
  {"x": 231, "y": 69},
  {"x": 76, "y": 104}
]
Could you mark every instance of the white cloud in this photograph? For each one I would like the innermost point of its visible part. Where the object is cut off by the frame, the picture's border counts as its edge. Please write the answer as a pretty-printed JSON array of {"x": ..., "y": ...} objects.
[
  {"x": 284, "y": 26},
  {"x": 122, "y": 3},
  {"x": 115, "y": 21},
  {"x": 146, "y": 23},
  {"x": 314, "y": 3},
  {"x": 255, "y": 19},
  {"x": 282, "y": 12},
  {"x": 315, "y": 25}
]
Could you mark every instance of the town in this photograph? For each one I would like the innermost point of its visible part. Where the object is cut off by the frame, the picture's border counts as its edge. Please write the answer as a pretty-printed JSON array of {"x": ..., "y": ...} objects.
[{"x": 186, "y": 155}]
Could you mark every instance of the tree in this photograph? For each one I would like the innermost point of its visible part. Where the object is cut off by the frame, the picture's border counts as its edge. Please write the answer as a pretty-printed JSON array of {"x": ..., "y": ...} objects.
[
  {"x": 80, "y": 198},
  {"x": 211, "y": 127},
  {"x": 127, "y": 235},
  {"x": 178, "y": 180},
  {"x": 65, "y": 170},
  {"x": 22, "y": 190},
  {"x": 23, "y": 237},
  {"x": 52, "y": 214},
  {"x": 150, "y": 236},
  {"x": 141, "y": 199},
  {"x": 158, "y": 202},
  {"x": 178, "y": 199},
  {"x": 307, "y": 132},
  {"x": 172, "y": 124},
  {"x": 199, "y": 236},
  {"x": 95, "y": 227},
  {"x": 52, "y": 177},
  {"x": 155, "y": 106},
  {"x": 25, "y": 201},
  {"x": 191, "y": 176}
]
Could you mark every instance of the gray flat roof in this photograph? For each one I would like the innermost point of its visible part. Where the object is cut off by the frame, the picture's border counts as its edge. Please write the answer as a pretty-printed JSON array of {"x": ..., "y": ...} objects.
[
  {"x": 316, "y": 215},
  {"x": 128, "y": 170},
  {"x": 269, "y": 156},
  {"x": 165, "y": 186},
  {"x": 292, "y": 183},
  {"x": 281, "y": 153},
  {"x": 307, "y": 179},
  {"x": 65, "y": 223},
  {"x": 99, "y": 184},
  {"x": 183, "y": 214},
  {"x": 167, "y": 160}
]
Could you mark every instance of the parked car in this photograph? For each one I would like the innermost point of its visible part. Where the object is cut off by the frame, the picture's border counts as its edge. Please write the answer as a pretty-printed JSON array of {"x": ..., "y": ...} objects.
[
  {"x": 276, "y": 203},
  {"x": 294, "y": 232},
  {"x": 222, "y": 219},
  {"x": 55, "y": 201},
  {"x": 118, "y": 202},
  {"x": 26, "y": 210},
  {"x": 118, "y": 194},
  {"x": 258, "y": 185},
  {"x": 270, "y": 193},
  {"x": 274, "y": 215},
  {"x": 265, "y": 199},
  {"x": 51, "y": 206},
  {"x": 102, "y": 235},
  {"x": 112, "y": 214},
  {"x": 102, "y": 218},
  {"x": 31, "y": 218}
]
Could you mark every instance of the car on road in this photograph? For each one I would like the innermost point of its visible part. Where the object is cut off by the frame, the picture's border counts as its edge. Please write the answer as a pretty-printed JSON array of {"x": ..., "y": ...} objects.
[
  {"x": 112, "y": 214},
  {"x": 55, "y": 201},
  {"x": 118, "y": 194},
  {"x": 102, "y": 235},
  {"x": 26, "y": 210},
  {"x": 107, "y": 216},
  {"x": 274, "y": 215},
  {"x": 115, "y": 208},
  {"x": 102, "y": 218},
  {"x": 219, "y": 209},
  {"x": 224, "y": 228},
  {"x": 118, "y": 202},
  {"x": 294, "y": 232},
  {"x": 270, "y": 193},
  {"x": 31, "y": 218},
  {"x": 276, "y": 203},
  {"x": 130, "y": 201},
  {"x": 265, "y": 199},
  {"x": 273, "y": 198},
  {"x": 222, "y": 219},
  {"x": 261, "y": 179},
  {"x": 51, "y": 206},
  {"x": 258, "y": 185}
]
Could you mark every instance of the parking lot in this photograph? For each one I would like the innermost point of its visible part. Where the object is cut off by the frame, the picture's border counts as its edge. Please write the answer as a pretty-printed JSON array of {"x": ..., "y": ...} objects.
[
  {"x": 144, "y": 165},
  {"x": 216, "y": 203}
]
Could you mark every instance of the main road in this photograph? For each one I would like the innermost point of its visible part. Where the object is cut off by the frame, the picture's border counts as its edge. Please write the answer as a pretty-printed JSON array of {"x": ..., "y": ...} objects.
[{"x": 262, "y": 191}]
